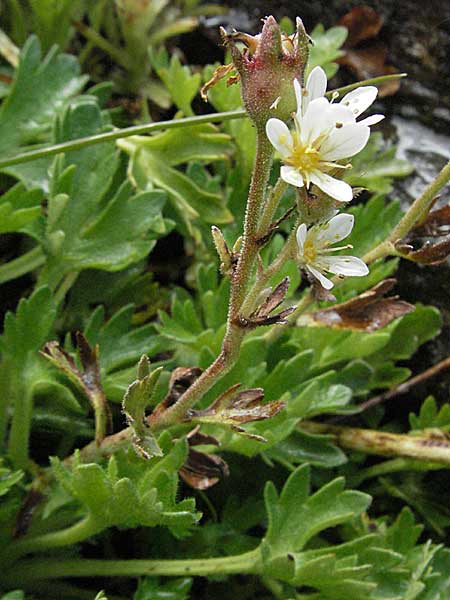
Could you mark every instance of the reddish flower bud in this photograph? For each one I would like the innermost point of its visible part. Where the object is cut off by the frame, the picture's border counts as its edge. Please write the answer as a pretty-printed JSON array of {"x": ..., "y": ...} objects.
[{"x": 267, "y": 67}]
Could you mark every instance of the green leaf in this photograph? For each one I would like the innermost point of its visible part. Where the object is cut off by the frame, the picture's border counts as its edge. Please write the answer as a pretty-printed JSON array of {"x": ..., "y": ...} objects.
[
  {"x": 375, "y": 168},
  {"x": 373, "y": 223},
  {"x": 430, "y": 417},
  {"x": 19, "y": 208},
  {"x": 137, "y": 397},
  {"x": 295, "y": 516},
  {"x": 8, "y": 479},
  {"x": 52, "y": 20},
  {"x": 129, "y": 492},
  {"x": 90, "y": 224},
  {"x": 181, "y": 83},
  {"x": 153, "y": 161},
  {"x": 301, "y": 447},
  {"x": 320, "y": 397},
  {"x": 326, "y": 48},
  {"x": 151, "y": 588},
  {"x": 14, "y": 595},
  {"x": 40, "y": 91}
]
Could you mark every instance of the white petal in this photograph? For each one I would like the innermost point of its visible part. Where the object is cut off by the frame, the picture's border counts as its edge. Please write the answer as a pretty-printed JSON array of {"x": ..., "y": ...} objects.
[
  {"x": 317, "y": 120},
  {"x": 316, "y": 86},
  {"x": 360, "y": 99},
  {"x": 301, "y": 237},
  {"x": 345, "y": 142},
  {"x": 324, "y": 281},
  {"x": 279, "y": 136},
  {"x": 344, "y": 265},
  {"x": 341, "y": 115},
  {"x": 337, "y": 228},
  {"x": 373, "y": 120},
  {"x": 298, "y": 97},
  {"x": 337, "y": 189},
  {"x": 291, "y": 175}
]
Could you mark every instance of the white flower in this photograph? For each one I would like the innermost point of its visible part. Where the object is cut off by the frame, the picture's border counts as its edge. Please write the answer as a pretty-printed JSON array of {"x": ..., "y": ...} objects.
[
  {"x": 325, "y": 132},
  {"x": 314, "y": 249}
]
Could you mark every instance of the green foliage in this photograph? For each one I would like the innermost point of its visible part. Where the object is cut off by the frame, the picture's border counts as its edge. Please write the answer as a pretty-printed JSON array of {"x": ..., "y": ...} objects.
[
  {"x": 153, "y": 162},
  {"x": 18, "y": 208},
  {"x": 375, "y": 168},
  {"x": 326, "y": 48},
  {"x": 180, "y": 82},
  {"x": 295, "y": 516},
  {"x": 8, "y": 479},
  {"x": 87, "y": 225},
  {"x": 151, "y": 589},
  {"x": 430, "y": 416},
  {"x": 137, "y": 397},
  {"x": 92, "y": 229},
  {"x": 40, "y": 91},
  {"x": 126, "y": 494}
]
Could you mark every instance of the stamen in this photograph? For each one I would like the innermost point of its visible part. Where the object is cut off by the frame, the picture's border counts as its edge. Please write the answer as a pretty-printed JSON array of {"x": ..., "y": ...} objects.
[{"x": 346, "y": 247}]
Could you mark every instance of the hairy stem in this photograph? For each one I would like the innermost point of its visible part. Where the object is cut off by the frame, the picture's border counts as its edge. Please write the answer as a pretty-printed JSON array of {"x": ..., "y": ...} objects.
[
  {"x": 262, "y": 280},
  {"x": 240, "y": 281},
  {"x": 424, "y": 448},
  {"x": 271, "y": 206},
  {"x": 32, "y": 570},
  {"x": 416, "y": 212}
]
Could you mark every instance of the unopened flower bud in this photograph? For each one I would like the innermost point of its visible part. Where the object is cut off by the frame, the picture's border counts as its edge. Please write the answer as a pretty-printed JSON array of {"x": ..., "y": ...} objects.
[
  {"x": 267, "y": 67},
  {"x": 222, "y": 249}
]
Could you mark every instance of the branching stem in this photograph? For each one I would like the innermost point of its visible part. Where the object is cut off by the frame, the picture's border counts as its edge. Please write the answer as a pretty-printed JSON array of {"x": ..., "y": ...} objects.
[
  {"x": 424, "y": 448},
  {"x": 239, "y": 285},
  {"x": 32, "y": 570}
]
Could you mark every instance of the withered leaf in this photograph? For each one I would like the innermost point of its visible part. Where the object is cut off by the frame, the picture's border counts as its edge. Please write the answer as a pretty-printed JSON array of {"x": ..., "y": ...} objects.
[
  {"x": 26, "y": 512},
  {"x": 232, "y": 409},
  {"x": 436, "y": 224},
  {"x": 364, "y": 23},
  {"x": 202, "y": 471},
  {"x": 198, "y": 438},
  {"x": 367, "y": 312},
  {"x": 180, "y": 380},
  {"x": 221, "y": 72},
  {"x": 429, "y": 254},
  {"x": 261, "y": 316},
  {"x": 87, "y": 380},
  {"x": 319, "y": 293},
  {"x": 273, "y": 300}
]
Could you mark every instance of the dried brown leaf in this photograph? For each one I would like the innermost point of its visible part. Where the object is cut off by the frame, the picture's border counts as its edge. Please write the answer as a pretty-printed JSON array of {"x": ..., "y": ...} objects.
[
  {"x": 273, "y": 300},
  {"x": 362, "y": 23},
  {"x": 180, "y": 380},
  {"x": 367, "y": 312},
  {"x": 429, "y": 254},
  {"x": 232, "y": 409},
  {"x": 87, "y": 380},
  {"x": 221, "y": 72},
  {"x": 436, "y": 224},
  {"x": 202, "y": 471}
]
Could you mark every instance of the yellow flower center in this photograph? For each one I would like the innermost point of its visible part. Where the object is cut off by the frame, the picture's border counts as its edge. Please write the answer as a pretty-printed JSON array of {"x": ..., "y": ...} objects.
[
  {"x": 305, "y": 158},
  {"x": 309, "y": 251}
]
